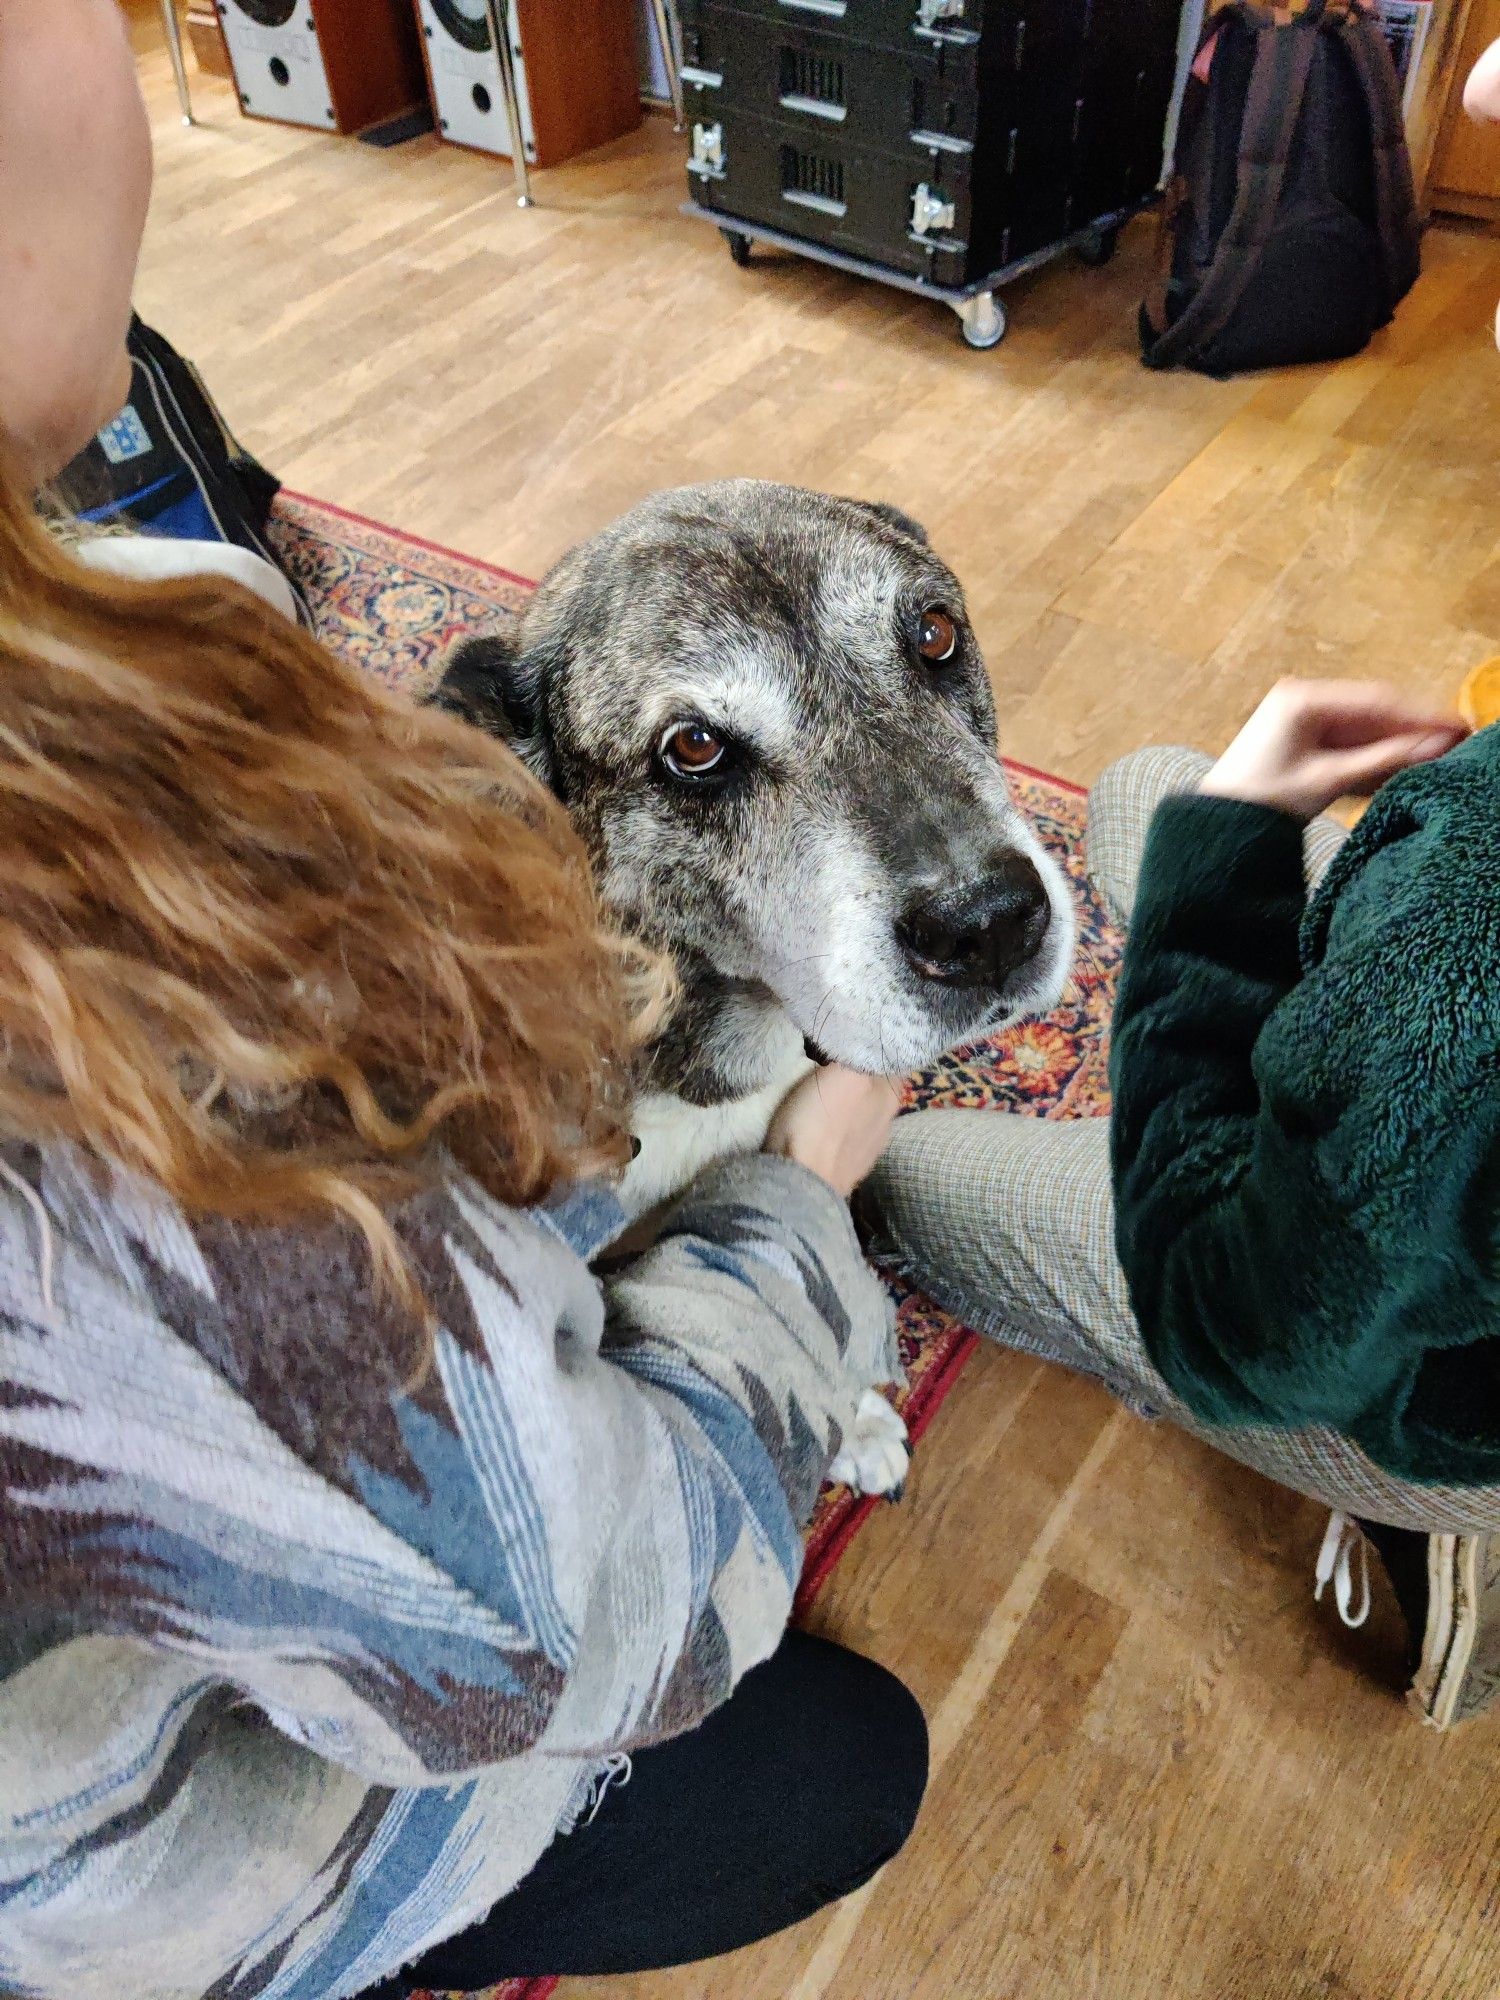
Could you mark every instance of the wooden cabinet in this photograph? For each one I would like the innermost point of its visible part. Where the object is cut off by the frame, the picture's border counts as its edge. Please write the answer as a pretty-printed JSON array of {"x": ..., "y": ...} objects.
[{"x": 1464, "y": 178}]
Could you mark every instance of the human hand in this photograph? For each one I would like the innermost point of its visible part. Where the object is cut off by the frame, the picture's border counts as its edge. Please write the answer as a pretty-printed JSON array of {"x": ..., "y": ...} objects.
[
  {"x": 836, "y": 1123},
  {"x": 1310, "y": 742}
]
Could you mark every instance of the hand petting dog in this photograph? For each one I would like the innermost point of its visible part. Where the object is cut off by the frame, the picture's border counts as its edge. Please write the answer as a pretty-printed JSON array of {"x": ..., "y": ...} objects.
[{"x": 836, "y": 1123}]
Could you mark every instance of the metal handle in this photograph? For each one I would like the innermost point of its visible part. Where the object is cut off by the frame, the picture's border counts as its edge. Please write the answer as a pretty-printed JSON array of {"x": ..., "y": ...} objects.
[
  {"x": 834, "y": 9},
  {"x": 815, "y": 107},
  {"x": 940, "y": 142},
  {"x": 823, "y": 203},
  {"x": 702, "y": 79}
]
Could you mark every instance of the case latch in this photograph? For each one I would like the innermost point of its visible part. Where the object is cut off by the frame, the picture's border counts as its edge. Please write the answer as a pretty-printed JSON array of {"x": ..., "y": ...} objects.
[
  {"x": 929, "y": 212},
  {"x": 707, "y": 156}
]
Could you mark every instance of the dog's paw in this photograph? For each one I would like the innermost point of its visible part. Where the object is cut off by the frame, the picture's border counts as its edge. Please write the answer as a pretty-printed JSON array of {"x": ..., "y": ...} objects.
[{"x": 877, "y": 1452}]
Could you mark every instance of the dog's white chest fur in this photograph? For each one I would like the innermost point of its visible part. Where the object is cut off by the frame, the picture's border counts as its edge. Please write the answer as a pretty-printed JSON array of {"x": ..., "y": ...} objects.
[{"x": 678, "y": 1139}]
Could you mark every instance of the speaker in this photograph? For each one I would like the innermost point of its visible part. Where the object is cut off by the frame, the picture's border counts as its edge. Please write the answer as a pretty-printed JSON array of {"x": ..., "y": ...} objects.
[
  {"x": 576, "y": 71},
  {"x": 468, "y": 100},
  {"x": 338, "y": 65}
]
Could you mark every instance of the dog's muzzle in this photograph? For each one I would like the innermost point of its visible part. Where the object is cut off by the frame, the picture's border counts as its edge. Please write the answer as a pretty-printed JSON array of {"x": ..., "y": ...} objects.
[{"x": 978, "y": 936}]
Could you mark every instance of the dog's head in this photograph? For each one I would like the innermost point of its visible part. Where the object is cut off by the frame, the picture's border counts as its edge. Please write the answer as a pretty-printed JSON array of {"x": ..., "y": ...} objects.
[{"x": 768, "y": 716}]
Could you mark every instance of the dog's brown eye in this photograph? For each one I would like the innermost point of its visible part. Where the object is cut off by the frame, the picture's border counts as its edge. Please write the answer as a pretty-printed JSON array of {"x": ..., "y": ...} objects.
[
  {"x": 691, "y": 751},
  {"x": 937, "y": 636}
]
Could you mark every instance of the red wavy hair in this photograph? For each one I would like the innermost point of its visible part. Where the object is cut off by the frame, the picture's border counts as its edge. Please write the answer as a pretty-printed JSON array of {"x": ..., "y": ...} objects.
[{"x": 272, "y": 936}]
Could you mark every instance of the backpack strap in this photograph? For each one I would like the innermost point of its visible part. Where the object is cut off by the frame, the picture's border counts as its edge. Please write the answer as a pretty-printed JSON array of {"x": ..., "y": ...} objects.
[
  {"x": 1154, "y": 308},
  {"x": 1273, "y": 104},
  {"x": 1191, "y": 113},
  {"x": 1396, "y": 220}
]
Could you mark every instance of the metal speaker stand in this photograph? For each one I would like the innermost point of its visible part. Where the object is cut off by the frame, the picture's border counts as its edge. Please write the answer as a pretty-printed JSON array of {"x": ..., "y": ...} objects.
[
  {"x": 498, "y": 10},
  {"x": 179, "y": 68}
]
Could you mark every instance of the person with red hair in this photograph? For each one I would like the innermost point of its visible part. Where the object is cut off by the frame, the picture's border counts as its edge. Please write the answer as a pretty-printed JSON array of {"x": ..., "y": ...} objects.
[{"x": 388, "y": 1600}]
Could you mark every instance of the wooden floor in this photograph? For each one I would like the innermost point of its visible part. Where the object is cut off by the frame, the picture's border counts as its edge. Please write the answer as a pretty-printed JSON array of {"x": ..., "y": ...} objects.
[{"x": 1159, "y": 1770}]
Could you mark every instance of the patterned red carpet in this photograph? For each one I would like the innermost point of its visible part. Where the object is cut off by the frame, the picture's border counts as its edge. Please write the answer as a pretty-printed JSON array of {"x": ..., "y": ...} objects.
[{"x": 394, "y": 604}]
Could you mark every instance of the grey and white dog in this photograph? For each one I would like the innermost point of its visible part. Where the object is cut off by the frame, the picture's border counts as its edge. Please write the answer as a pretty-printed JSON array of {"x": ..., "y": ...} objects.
[{"x": 767, "y": 714}]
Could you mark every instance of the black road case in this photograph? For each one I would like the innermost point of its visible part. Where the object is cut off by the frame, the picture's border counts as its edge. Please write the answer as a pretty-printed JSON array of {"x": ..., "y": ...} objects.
[{"x": 940, "y": 145}]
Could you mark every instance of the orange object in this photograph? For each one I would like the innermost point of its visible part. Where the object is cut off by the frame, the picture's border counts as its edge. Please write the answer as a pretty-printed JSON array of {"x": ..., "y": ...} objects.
[{"x": 1479, "y": 697}]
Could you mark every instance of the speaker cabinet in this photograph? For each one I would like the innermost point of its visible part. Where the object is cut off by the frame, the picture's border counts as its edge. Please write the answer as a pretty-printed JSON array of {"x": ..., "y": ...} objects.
[
  {"x": 576, "y": 65},
  {"x": 338, "y": 65}
]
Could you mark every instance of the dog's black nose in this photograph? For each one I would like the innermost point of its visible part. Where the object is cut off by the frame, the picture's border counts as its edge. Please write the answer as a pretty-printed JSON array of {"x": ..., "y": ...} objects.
[{"x": 980, "y": 934}]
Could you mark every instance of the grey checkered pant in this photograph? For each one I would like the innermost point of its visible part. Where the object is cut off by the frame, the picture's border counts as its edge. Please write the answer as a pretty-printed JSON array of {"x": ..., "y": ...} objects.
[{"x": 1009, "y": 1223}]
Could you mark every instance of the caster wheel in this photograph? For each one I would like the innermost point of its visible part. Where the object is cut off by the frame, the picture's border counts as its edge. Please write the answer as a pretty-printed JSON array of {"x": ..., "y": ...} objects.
[
  {"x": 739, "y": 245},
  {"x": 1098, "y": 246},
  {"x": 983, "y": 321}
]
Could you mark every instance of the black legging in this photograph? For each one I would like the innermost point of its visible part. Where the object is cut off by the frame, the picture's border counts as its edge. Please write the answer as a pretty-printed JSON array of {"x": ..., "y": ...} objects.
[{"x": 793, "y": 1794}]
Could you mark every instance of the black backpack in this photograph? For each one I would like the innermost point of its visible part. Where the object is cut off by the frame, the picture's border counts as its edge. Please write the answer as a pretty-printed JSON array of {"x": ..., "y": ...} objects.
[
  {"x": 1290, "y": 229},
  {"x": 168, "y": 464}
]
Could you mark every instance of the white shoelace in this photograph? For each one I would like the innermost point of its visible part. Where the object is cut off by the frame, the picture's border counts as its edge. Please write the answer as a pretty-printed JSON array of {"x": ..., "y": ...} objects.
[
  {"x": 1336, "y": 1566},
  {"x": 617, "y": 1771}
]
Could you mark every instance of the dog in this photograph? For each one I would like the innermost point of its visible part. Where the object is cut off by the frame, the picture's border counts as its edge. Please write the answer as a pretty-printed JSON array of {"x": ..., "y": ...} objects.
[{"x": 768, "y": 717}]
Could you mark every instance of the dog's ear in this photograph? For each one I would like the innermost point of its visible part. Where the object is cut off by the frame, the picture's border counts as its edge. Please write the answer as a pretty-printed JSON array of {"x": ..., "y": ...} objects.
[
  {"x": 894, "y": 518},
  {"x": 490, "y": 683}
]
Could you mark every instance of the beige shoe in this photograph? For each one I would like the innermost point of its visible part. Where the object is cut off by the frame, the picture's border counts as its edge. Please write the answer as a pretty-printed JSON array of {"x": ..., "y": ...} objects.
[{"x": 1459, "y": 1674}]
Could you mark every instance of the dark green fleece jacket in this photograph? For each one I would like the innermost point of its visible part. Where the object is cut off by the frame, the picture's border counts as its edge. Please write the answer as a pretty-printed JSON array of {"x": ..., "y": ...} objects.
[{"x": 1307, "y": 1119}]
